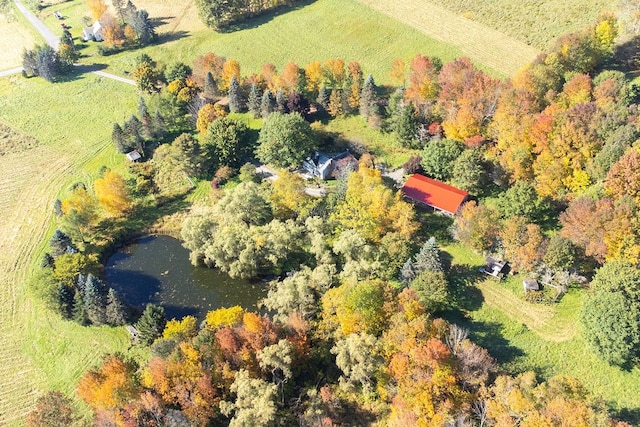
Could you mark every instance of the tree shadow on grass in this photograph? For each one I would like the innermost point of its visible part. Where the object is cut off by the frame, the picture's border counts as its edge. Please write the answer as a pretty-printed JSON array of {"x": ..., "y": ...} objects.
[
  {"x": 631, "y": 416},
  {"x": 265, "y": 17}
]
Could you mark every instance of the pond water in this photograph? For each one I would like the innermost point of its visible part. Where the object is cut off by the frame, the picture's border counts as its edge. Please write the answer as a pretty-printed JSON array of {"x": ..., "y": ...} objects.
[{"x": 156, "y": 269}]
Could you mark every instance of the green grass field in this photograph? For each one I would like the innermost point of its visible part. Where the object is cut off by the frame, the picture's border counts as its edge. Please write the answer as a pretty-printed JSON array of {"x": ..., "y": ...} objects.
[
  {"x": 319, "y": 31},
  {"x": 72, "y": 124},
  {"x": 17, "y": 35},
  {"x": 536, "y": 23}
]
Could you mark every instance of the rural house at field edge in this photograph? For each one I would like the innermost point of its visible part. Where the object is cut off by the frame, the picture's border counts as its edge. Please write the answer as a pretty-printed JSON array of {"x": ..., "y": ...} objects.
[
  {"x": 93, "y": 32},
  {"x": 435, "y": 194}
]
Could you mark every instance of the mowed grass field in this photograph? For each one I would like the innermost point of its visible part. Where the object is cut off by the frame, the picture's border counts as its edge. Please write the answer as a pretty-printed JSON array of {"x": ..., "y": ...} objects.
[
  {"x": 542, "y": 338},
  {"x": 536, "y": 23},
  {"x": 15, "y": 36},
  {"x": 319, "y": 31},
  {"x": 71, "y": 123}
]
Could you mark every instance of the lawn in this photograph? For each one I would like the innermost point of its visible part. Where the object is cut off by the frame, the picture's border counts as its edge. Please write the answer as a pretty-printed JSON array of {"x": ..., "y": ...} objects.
[
  {"x": 71, "y": 124},
  {"x": 536, "y": 23},
  {"x": 534, "y": 337},
  {"x": 321, "y": 30},
  {"x": 17, "y": 35}
]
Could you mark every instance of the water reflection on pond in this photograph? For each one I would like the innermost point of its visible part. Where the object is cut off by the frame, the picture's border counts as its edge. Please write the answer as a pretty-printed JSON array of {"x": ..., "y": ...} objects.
[{"x": 156, "y": 269}]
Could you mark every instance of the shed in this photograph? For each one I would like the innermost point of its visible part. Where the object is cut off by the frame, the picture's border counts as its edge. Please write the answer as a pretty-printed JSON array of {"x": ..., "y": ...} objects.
[
  {"x": 93, "y": 32},
  {"x": 133, "y": 156},
  {"x": 435, "y": 194},
  {"x": 132, "y": 331},
  {"x": 530, "y": 285},
  {"x": 494, "y": 267}
]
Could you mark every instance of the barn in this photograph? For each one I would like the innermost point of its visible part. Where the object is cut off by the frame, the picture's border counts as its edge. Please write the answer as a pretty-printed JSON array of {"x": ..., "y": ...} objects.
[{"x": 435, "y": 194}]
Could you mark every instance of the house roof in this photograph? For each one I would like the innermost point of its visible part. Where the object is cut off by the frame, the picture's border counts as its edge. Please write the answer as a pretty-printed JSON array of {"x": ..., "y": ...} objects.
[
  {"x": 434, "y": 193},
  {"x": 133, "y": 155}
]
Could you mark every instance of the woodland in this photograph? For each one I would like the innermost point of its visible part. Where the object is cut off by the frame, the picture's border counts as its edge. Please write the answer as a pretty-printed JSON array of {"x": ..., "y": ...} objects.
[{"x": 366, "y": 320}]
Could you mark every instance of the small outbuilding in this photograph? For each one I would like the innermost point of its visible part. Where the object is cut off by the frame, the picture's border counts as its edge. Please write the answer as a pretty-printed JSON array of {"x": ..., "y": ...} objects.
[
  {"x": 494, "y": 267},
  {"x": 530, "y": 285},
  {"x": 441, "y": 197},
  {"x": 93, "y": 32},
  {"x": 133, "y": 156}
]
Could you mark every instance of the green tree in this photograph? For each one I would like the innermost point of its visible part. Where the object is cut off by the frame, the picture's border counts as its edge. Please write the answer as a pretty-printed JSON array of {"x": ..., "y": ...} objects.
[
  {"x": 406, "y": 127},
  {"x": 67, "y": 50},
  {"x": 522, "y": 200},
  {"x": 227, "y": 142},
  {"x": 561, "y": 254},
  {"x": 246, "y": 203},
  {"x": 60, "y": 243},
  {"x": 358, "y": 358},
  {"x": 323, "y": 98},
  {"x": 285, "y": 140},
  {"x": 116, "y": 311},
  {"x": 254, "y": 100},
  {"x": 428, "y": 259},
  {"x": 79, "y": 313},
  {"x": 254, "y": 404},
  {"x": 210, "y": 87},
  {"x": 151, "y": 324},
  {"x": 610, "y": 314},
  {"x": 145, "y": 73},
  {"x": 432, "y": 288},
  {"x": 94, "y": 300},
  {"x": 470, "y": 172},
  {"x": 267, "y": 104},
  {"x": 236, "y": 103},
  {"x": 438, "y": 156}
]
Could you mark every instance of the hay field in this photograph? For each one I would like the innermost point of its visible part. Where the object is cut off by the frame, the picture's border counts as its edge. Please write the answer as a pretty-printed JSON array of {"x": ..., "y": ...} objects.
[
  {"x": 481, "y": 43},
  {"x": 39, "y": 350},
  {"x": 15, "y": 37}
]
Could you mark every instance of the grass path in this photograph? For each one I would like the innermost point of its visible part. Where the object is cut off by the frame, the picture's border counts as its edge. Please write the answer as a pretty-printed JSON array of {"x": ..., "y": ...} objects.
[{"x": 481, "y": 43}]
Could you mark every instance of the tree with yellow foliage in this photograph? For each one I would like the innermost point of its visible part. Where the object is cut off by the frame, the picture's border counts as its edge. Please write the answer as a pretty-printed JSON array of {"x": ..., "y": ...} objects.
[
  {"x": 97, "y": 8},
  {"x": 113, "y": 194}
]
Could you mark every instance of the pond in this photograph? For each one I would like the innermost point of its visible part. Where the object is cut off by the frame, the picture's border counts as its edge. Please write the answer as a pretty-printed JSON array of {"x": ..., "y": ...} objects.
[{"x": 156, "y": 269}]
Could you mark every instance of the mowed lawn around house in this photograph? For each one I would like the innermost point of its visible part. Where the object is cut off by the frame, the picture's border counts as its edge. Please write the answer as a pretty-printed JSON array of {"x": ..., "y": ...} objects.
[
  {"x": 542, "y": 338},
  {"x": 71, "y": 123},
  {"x": 317, "y": 31}
]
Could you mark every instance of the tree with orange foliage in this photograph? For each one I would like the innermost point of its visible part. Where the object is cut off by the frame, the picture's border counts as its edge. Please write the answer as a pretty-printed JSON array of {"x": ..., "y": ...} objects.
[
  {"x": 229, "y": 69},
  {"x": 208, "y": 63},
  {"x": 113, "y": 194},
  {"x": 423, "y": 80},
  {"x": 522, "y": 243},
  {"x": 476, "y": 226},
  {"x": 624, "y": 176},
  {"x": 290, "y": 78},
  {"x": 111, "y": 386}
]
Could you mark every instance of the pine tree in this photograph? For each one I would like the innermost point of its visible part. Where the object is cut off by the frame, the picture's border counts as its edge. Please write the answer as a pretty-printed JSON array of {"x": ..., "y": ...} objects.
[
  {"x": 94, "y": 301},
  {"x": 253, "y": 103},
  {"x": 428, "y": 259},
  {"x": 145, "y": 120},
  {"x": 281, "y": 102},
  {"x": 59, "y": 243},
  {"x": 235, "y": 96},
  {"x": 368, "y": 98},
  {"x": 57, "y": 208},
  {"x": 116, "y": 311},
  {"x": 118, "y": 138},
  {"x": 210, "y": 87},
  {"x": 267, "y": 104},
  {"x": 79, "y": 313},
  {"x": 47, "y": 261},
  {"x": 407, "y": 127},
  {"x": 151, "y": 324},
  {"x": 133, "y": 134},
  {"x": 407, "y": 273},
  {"x": 159, "y": 127},
  {"x": 323, "y": 98},
  {"x": 65, "y": 300}
]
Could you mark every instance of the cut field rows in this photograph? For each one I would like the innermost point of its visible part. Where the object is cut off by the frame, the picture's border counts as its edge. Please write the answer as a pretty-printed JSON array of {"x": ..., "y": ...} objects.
[{"x": 481, "y": 43}]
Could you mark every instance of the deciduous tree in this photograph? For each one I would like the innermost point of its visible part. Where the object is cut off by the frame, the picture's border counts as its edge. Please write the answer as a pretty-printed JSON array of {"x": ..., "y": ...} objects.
[
  {"x": 285, "y": 140},
  {"x": 113, "y": 194}
]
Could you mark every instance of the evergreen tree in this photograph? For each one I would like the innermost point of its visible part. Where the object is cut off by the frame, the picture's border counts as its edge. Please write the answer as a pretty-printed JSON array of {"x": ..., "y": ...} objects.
[
  {"x": 407, "y": 273},
  {"x": 143, "y": 27},
  {"x": 253, "y": 102},
  {"x": 281, "y": 102},
  {"x": 29, "y": 66},
  {"x": 118, "y": 138},
  {"x": 159, "y": 127},
  {"x": 47, "y": 261},
  {"x": 57, "y": 208},
  {"x": 65, "y": 300},
  {"x": 151, "y": 324},
  {"x": 407, "y": 127},
  {"x": 323, "y": 98},
  {"x": 297, "y": 103},
  {"x": 428, "y": 259},
  {"x": 133, "y": 134},
  {"x": 210, "y": 87},
  {"x": 79, "y": 313},
  {"x": 47, "y": 62},
  {"x": 145, "y": 120},
  {"x": 267, "y": 104},
  {"x": 94, "y": 301},
  {"x": 67, "y": 50},
  {"x": 235, "y": 96},
  {"x": 368, "y": 98},
  {"x": 116, "y": 311},
  {"x": 59, "y": 243}
]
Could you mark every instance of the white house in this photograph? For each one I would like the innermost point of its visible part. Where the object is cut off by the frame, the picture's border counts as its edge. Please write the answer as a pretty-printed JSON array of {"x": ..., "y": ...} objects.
[{"x": 93, "y": 32}]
